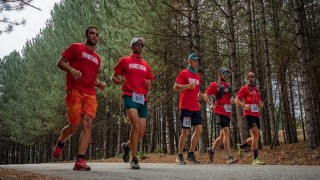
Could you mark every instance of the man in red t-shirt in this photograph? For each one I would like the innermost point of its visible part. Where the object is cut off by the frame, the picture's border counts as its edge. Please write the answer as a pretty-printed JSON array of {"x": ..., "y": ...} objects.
[
  {"x": 188, "y": 83},
  {"x": 81, "y": 64},
  {"x": 223, "y": 98},
  {"x": 249, "y": 98},
  {"x": 135, "y": 76}
]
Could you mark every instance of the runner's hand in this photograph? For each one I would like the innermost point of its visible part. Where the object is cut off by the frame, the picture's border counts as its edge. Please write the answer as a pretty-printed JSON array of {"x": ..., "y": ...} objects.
[
  {"x": 76, "y": 74},
  {"x": 247, "y": 107},
  {"x": 201, "y": 96},
  {"x": 191, "y": 86},
  {"x": 148, "y": 83},
  {"x": 212, "y": 106},
  {"x": 121, "y": 80},
  {"x": 101, "y": 85},
  {"x": 261, "y": 104},
  {"x": 232, "y": 100}
]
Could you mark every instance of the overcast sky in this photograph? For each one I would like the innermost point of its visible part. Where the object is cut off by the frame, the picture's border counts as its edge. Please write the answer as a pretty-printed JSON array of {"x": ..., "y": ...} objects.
[{"x": 35, "y": 21}]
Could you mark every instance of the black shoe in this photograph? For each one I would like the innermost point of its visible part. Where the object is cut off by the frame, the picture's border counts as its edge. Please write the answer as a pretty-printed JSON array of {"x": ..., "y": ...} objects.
[
  {"x": 210, "y": 152},
  {"x": 180, "y": 159},
  {"x": 134, "y": 163},
  {"x": 125, "y": 150},
  {"x": 192, "y": 158}
]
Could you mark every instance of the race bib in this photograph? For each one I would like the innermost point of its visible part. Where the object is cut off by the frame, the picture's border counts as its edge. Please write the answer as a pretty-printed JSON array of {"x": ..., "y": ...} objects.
[
  {"x": 254, "y": 108},
  {"x": 186, "y": 122},
  {"x": 227, "y": 107},
  {"x": 138, "y": 98}
]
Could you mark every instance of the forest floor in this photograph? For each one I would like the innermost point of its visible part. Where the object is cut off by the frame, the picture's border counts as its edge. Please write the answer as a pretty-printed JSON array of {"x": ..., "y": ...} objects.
[{"x": 285, "y": 154}]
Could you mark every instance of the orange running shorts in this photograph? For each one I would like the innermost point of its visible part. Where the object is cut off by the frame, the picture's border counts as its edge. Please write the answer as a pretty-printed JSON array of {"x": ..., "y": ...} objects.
[{"x": 79, "y": 104}]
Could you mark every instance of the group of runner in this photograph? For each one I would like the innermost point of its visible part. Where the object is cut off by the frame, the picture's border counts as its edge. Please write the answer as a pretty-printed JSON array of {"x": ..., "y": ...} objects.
[{"x": 81, "y": 64}]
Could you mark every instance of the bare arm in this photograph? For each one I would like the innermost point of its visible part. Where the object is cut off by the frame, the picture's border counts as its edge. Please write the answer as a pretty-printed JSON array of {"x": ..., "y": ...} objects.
[
  {"x": 182, "y": 87},
  {"x": 100, "y": 85},
  {"x": 239, "y": 102},
  {"x": 63, "y": 65},
  {"x": 206, "y": 98},
  {"x": 242, "y": 104},
  {"x": 148, "y": 83},
  {"x": 117, "y": 79}
]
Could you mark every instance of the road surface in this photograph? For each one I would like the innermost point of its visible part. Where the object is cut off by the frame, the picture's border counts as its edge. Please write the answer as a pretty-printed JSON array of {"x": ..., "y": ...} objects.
[{"x": 168, "y": 171}]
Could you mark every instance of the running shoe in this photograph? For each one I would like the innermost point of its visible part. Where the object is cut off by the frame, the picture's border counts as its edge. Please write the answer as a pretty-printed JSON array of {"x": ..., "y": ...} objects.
[
  {"x": 134, "y": 163},
  {"x": 210, "y": 152},
  {"x": 231, "y": 160},
  {"x": 180, "y": 159},
  {"x": 81, "y": 165},
  {"x": 125, "y": 150},
  {"x": 258, "y": 162},
  {"x": 56, "y": 153},
  {"x": 192, "y": 158},
  {"x": 239, "y": 151}
]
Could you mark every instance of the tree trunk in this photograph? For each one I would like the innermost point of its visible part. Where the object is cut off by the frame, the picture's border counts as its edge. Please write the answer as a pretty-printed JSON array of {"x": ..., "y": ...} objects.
[
  {"x": 270, "y": 121},
  {"x": 293, "y": 118},
  {"x": 235, "y": 67},
  {"x": 305, "y": 65}
]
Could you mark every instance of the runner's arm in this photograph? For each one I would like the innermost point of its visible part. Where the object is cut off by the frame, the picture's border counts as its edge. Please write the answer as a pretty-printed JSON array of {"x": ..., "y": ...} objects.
[
  {"x": 117, "y": 79},
  {"x": 182, "y": 87},
  {"x": 63, "y": 65},
  {"x": 99, "y": 84},
  {"x": 239, "y": 102}
]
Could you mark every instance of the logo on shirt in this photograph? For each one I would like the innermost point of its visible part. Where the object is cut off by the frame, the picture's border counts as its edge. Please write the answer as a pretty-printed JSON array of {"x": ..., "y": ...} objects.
[
  {"x": 192, "y": 80},
  {"x": 89, "y": 57},
  {"x": 137, "y": 66}
]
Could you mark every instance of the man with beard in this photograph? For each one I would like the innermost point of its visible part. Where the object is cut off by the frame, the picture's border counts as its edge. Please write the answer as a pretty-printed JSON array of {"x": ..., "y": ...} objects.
[
  {"x": 249, "y": 98},
  {"x": 221, "y": 106},
  {"x": 135, "y": 76},
  {"x": 188, "y": 85},
  {"x": 81, "y": 64}
]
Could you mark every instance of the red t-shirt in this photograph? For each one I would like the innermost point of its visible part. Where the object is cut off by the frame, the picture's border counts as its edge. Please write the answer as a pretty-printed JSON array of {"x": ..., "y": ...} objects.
[
  {"x": 189, "y": 97},
  {"x": 250, "y": 95},
  {"x": 222, "y": 106},
  {"x": 136, "y": 71},
  {"x": 87, "y": 62}
]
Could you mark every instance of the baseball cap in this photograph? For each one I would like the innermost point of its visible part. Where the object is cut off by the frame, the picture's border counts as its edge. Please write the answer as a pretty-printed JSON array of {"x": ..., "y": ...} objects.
[
  {"x": 223, "y": 70},
  {"x": 134, "y": 40},
  {"x": 194, "y": 56}
]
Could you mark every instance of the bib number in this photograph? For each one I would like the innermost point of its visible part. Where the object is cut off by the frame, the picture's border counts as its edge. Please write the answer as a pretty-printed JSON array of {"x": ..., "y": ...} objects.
[
  {"x": 254, "y": 108},
  {"x": 186, "y": 122},
  {"x": 227, "y": 107},
  {"x": 138, "y": 98}
]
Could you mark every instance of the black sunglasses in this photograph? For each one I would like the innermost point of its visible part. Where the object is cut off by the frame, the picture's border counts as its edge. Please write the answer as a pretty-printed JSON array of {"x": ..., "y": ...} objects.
[
  {"x": 226, "y": 73},
  {"x": 252, "y": 76},
  {"x": 138, "y": 44}
]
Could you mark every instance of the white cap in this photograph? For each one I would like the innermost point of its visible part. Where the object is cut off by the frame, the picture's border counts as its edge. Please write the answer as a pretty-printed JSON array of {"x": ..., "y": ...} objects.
[{"x": 134, "y": 40}]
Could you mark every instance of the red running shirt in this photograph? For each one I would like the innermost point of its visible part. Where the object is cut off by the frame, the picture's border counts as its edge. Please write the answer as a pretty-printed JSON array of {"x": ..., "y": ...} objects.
[
  {"x": 87, "y": 62},
  {"x": 189, "y": 97},
  {"x": 136, "y": 71},
  {"x": 250, "y": 95},
  {"x": 222, "y": 106}
]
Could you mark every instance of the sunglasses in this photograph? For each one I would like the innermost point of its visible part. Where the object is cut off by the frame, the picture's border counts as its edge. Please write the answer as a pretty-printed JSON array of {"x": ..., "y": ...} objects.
[
  {"x": 252, "y": 76},
  {"x": 226, "y": 73},
  {"x": 138, "y": 44}
]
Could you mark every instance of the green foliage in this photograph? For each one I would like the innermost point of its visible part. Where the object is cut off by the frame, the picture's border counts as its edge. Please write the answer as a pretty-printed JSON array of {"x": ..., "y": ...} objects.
[
  {"x": 141, "y": 155},
  {"x": 32, "y": 102},
  {"x": 117, "y": 155}
]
